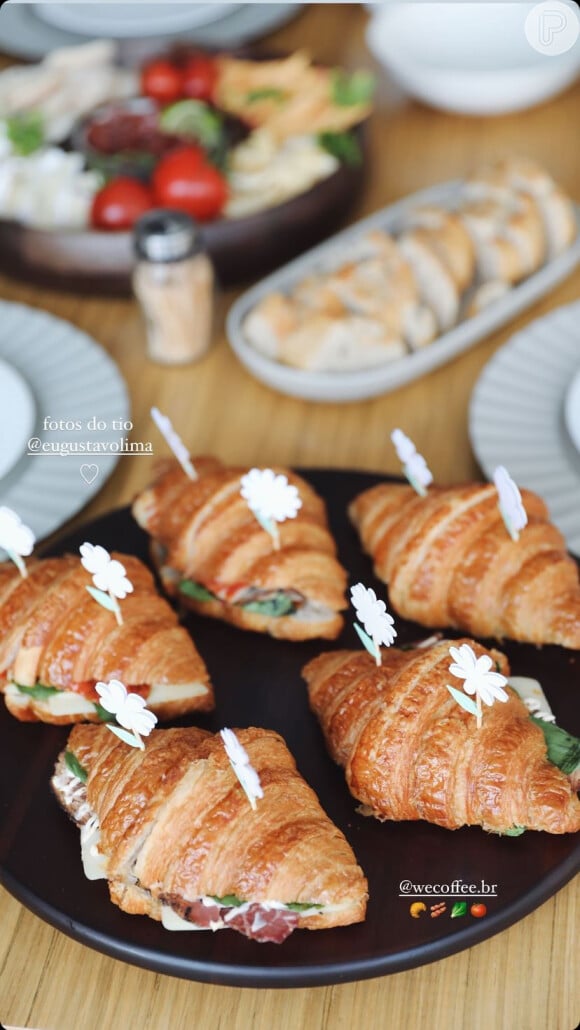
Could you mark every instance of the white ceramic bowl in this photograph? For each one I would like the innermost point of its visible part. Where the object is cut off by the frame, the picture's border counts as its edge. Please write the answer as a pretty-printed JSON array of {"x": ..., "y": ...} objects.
[
  {"x": 17, "y": 415},
  {"x": 468, "y": 58}
]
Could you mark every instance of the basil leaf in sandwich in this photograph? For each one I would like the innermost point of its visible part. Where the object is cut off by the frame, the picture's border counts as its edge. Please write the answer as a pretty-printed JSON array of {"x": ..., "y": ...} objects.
[
  {"x": 38, "y": 691},
  {"x": 74, "y": 766},
  {"x": 196, "y": 590}
]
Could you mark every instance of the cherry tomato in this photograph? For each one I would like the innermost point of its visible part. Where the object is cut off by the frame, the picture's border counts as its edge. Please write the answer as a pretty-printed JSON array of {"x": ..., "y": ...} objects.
[
  {"x": 199, "y": 77},
  {"x": 161, "y": 81},
  {"x": 120, "y": 203},
  {"x": 185, "y": 180},
  {"x": 478, "y": 911}
]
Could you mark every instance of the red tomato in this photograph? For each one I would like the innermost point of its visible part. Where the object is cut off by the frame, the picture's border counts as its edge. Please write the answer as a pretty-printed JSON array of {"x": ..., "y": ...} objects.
[
  {"x": 199, "y": 77},
  {"x": 120, "y": 203},
  {"x": 478, "y": 911},
  {"x": 161, "y": 81},
  {"x": 183, "y": 179}
]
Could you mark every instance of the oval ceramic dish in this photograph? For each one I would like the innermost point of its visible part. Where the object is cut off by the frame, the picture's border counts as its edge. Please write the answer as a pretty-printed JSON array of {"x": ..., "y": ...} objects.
[{"x": 371, "y": 382}]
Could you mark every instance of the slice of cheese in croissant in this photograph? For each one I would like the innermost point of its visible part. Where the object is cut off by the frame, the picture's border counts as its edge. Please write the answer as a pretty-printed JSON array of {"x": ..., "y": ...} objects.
[
  {"x": 212, "y": 552},
  {"x": 411, "y": 752},
  {"x": 172, "y": 831},
  {"x": 56, "y": 642},
  {"x": 448, "y": 560}
]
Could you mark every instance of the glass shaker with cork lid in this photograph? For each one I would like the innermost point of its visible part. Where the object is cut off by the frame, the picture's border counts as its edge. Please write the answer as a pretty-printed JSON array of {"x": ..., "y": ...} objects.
[{"x": 174, "y": 282}]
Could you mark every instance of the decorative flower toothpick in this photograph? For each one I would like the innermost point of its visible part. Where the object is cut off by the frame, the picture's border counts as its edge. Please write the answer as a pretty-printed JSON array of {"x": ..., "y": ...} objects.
[
  {"x": 111, "y": 584},
  {"x": 174, "y": 441},
  {"x": 15, "y": 538},
  {"x": 271, "y": 498},
  {"x": 478, "y": 679},
  {"x": 129, "y": 710},
  {"x": 378, "y": 624},
  {"x": 240, "y": 763},
  {"x": 510, "y": 502},
  {"x": 414, "y": 465}
]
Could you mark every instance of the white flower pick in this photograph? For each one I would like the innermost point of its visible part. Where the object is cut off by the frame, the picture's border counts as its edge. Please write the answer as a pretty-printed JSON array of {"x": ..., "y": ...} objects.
[
  {"x": 378, "y": 624},
  {"x": 414, "y": 465},
  {"x": 240, "y": 763},
  {"x": 129, "y": 710},
  {"x": 510, "y": 502},
  {"x": 478, "y": 679},
  {"x": 15, "y": 538},
  {"x": 271, "y": 498},
  {"x": 111, "y": 584},
  {"x": 174, "y": 441}
]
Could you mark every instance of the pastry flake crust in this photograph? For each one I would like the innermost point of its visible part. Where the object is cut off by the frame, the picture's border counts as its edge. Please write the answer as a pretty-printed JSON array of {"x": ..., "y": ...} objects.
[
  {"x": 409, "y": 751},
  {"x": 176, "y": 827},
  {"x": 203, "y": 531},
  {"x": 54, "y": 634},
  {"x": 448, "y": 560}
]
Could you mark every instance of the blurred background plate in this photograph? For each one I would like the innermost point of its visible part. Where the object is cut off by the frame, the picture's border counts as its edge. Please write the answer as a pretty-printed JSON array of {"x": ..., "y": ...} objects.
[
  {"x": 517, "y": 415},
  {"x": 115, "y": 20},
  {"x": 17, "y": 415},
  {"x": 70, "y": 377},
  {"x": 572, "y": 409},
  {"x": 23, "y": 34}
]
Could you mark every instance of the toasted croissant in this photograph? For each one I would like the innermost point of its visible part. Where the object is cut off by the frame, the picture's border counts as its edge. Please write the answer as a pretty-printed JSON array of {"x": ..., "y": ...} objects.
[
  {"x": 174, "y": 831},
  {"x": 411, "y": 752},
  {"x": 205, "y": 535},
  {"x": 448, "y": 560},
  {"x": 53, "y": 634}
]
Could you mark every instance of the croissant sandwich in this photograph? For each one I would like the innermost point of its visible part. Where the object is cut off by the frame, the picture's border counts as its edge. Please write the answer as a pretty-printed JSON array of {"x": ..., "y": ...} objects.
[
  {"x": 172, "y": 831},
  {"x": 215, "y": 556},
  {"x": 448, "y": 560},
  {"x": 410, "y": 751},
  {"x": 56, "y": 643}
]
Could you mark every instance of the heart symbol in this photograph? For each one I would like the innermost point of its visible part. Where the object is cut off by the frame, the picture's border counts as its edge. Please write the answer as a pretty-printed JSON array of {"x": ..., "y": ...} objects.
[{"x": 89, "y": 473}]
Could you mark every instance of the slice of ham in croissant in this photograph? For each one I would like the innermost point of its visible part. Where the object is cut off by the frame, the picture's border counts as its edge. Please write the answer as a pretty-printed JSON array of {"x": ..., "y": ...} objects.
[
  {"x": 172, "y": 831},
  {"x": 56, "y": 642},
  {"x": 214, "y": 555},
  {"x": 410, "y": 751},
  {"x": 448, "y": 560}
]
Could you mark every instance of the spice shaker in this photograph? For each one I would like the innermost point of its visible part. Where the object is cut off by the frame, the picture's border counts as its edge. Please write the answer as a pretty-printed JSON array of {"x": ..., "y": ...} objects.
[{"x": 173, "y": 280}]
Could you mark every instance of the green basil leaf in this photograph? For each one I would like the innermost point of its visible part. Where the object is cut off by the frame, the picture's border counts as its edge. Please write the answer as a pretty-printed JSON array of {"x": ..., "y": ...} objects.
[
  {"x": 228, "y": 900},
  {"x": 563, "y": 748},
  {"x": 342, "y": 145},
  {"x": 196, "y": 590},
  {"x": 102, "y": 713},
  {"x": 350, "y": 90},
  {"x": 25, "y": 132},
  {"x": 39, "y": 691},
  {"x": 279, "y": 604},
  {"x": 74, "y": 766},
  {"x": 302, "y": 906},
  {"x": 266, "y": 93}
]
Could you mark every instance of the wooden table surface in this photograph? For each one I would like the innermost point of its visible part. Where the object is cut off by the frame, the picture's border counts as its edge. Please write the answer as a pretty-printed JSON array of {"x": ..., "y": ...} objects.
[{"x": 522, "y": 978}]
